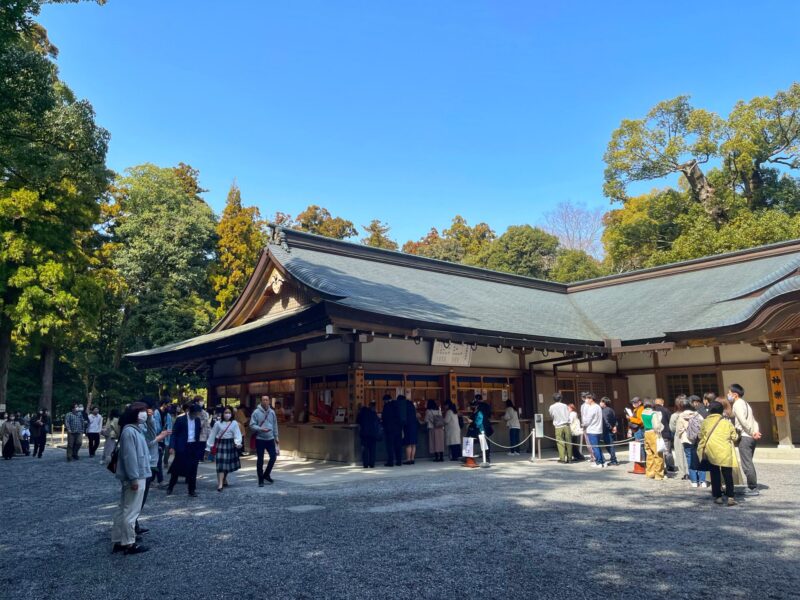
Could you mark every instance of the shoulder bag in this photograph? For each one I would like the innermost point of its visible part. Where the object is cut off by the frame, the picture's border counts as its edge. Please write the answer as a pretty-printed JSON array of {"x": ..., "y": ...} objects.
[
  {"x": 213, "y": 451},
  {"x": 704, "y": 464}
]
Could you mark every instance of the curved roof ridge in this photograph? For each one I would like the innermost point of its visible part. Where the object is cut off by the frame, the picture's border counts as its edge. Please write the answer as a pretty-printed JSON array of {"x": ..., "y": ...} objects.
[{"x": 766, "y": 281}]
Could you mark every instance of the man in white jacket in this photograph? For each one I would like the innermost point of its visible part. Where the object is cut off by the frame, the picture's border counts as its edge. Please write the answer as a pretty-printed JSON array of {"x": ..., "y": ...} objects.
[{"x": 747, "y": 426}]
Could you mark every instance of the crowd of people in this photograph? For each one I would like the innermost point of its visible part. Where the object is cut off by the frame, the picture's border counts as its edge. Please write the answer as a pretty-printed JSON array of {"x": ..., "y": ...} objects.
[
  {"x": 704, "y": 440},
  {"x": 18, "y": 431}
]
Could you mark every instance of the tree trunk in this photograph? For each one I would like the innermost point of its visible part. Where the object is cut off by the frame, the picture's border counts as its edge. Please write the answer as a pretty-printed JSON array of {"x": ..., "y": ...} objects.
[
  {"x": 126, "y": 313},
  {"x": 48, "y": 365},
  {"x": 5, "y": 360},
  {"x": 754, "y": 185},
  {"x": 702, "y": 190}
]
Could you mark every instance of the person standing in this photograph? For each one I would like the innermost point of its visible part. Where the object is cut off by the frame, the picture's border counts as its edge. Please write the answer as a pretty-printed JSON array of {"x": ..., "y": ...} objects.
[
  {"x": 651, "y": 422},
  {"x": 678, "y": 454},
  {"x": 368, "y": 432},
  {"x": 635, "y": 419},
  {"x": 392, "y": 432},
  {"x": 747, "y": 428},
  {"x": 264, "y": 425},
  {"x": 184, "y": 448},
  {"x": 592, "y": 419},
  {"x": 75, "y": 426},
  {"x": 666, "y": 434},
  {"x": 10, "y": 436},
  {"x": 243, "y": 419},
  {"x": 452, "y": 431},
  {"x": 609, "y": 428},
  {"x": 435, "y": 423},
  {"x": 576, "y": 433},
  {"x": 559, "y": 412},
  {"x": 410, "y": 426},
  {"x": 40, "y": 427},
  {"x": 715, "y": 445},
  {"x": 224, "y": 444},
  {"x": 111, "y": 433},
  {"x": 699, "y": 406},
  {"x": 93, "y": 430},
  {"x": 153, "y": 436},
  {"x": 133, "y": 469},
  {"x": 511, "y": 417}
]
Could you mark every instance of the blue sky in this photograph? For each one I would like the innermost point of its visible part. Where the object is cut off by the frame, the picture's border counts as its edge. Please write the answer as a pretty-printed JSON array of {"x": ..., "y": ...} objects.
[{"x": 409, "y": 111}]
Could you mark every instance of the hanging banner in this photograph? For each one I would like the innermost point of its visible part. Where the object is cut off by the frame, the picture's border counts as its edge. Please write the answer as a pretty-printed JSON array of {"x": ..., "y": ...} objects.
[
  {"x": 466, "y": 447},
  {"x": 777, "y": 395}
]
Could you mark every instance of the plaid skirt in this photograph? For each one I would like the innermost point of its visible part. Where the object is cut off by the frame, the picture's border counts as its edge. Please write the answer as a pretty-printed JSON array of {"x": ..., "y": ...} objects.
[{"x": 227, "y": 456}]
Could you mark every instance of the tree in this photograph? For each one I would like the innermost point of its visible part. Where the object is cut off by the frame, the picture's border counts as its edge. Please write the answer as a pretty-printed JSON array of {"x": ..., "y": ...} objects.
[
  {"x": 575, "y": 265},
  {"x": 674, "y": 137},
  {"x": 378, "y": 236},
  {"x": 241, "y": 238},
  {"x": 315, "y": 219},
  {"x": 522, "y": 249},
  {"x": 576, "y": 227},
  {"x": 471, "y": 239},
  {"x": 432, "y": 245}
]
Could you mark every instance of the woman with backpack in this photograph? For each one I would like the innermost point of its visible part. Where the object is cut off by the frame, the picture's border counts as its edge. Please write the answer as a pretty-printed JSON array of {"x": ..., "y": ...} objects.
[
  {"x": 452, "y": 430},
  {"x": 435, "y": 422},
  {"x": 715, "y": 445},
  {"x": 687, "y": 431}
]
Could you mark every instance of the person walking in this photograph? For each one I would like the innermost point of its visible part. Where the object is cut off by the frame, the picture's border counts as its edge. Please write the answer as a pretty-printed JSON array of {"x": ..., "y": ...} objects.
[
  {"x": 111, "y": 434},
  {"x": 133, "y": 469},
  {"x": 452, "y": 431},
  {"x": 40, "y": 427},
  {"x": 75, "y": 426},
  {"x": 435, "y": 423},
  {"x": 592, "y": 420},
  {"x": 369, "y": 428},
  {"x": 748, "y": 434},
  {"x": 223, "y": 445},
  {"x": 511, "y": 417},
  {"x": 576, "y": 433},
  {"x": 10, "y": 436},
  {"x": 264, "y": 425},
  {"x": 715, "y": 445},
  {"x": 93, "y": 430},
  {"x": 651, "y": 422},
  {"x": 184, "y": 448},
  {"x": 243, "y": 419},
  {"x": 392, "y": 432},
  {"x": 560, "y": 414},
  {"x": 609, "y": 429}
]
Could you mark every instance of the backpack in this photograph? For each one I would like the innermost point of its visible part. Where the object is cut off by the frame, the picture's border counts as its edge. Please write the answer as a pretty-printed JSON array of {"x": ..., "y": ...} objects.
[{"x": 693, "y": 428}]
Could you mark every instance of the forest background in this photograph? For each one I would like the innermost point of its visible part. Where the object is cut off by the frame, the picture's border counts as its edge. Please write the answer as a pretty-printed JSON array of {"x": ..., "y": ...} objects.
[{"x": 95, "y": 264}]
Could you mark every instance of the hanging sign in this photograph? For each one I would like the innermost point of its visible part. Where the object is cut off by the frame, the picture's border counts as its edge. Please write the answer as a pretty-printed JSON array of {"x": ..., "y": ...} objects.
[
  {"x": 466, "y": 447},
  {"x": 451, "y": 354},
  {"x": 777, "y": 395}
]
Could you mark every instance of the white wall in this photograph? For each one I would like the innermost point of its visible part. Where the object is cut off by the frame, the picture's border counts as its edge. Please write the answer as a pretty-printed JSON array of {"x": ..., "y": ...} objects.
[
  {"x": 754, "y": 382},
  {"x": 604, "y": 366},
  {"x": 681, "y": 357},
  {"x": 264, "y": 362},
  {"x": 636, "y": 360},
  {"x": 642, "y": 385},
  {"x": 741, "y": 353},
  {"x": 489, "y": 357},
  {"x": 396, "y": 351},
  {"x": 326, "y": 353}
]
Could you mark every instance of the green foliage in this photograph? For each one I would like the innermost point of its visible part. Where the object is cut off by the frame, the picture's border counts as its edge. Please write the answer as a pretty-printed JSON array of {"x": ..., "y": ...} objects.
[
  {"x": 241, "y": 237},
  {"x": 437, "y": 247},
  {"x": 315, "y": 219},
  {"x": 378, "y": 236},
  {"x": 472, "y": 239},
  {"x": 575, "y": 265},
  {"x": 522, "y": 249}
]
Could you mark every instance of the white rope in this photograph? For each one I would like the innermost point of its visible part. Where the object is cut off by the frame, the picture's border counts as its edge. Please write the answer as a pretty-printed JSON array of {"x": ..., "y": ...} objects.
[{"x": 620, "y": 443}]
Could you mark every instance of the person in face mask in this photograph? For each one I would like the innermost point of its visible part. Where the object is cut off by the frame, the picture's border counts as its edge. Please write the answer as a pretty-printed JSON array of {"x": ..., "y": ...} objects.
[
  {"x": 10, "y": 436},
  {"x": 75, "y": 426},
  {"x": 133, "y": 469},
  {"x": 40, "y": 427},
  {"x": 151, "y": 429},
  {"x": 224, "y": 441}
]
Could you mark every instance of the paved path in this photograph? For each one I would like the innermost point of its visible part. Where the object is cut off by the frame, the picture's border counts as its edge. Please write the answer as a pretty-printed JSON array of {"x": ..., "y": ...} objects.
[{"x": 429, "y": 530}]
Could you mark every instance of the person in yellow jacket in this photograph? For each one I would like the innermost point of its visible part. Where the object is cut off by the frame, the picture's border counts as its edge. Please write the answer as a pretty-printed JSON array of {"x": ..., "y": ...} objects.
[{"x": 715, "y": 445}]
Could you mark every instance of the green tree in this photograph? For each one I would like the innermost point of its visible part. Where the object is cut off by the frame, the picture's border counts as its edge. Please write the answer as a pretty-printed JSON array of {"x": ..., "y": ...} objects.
[
  {"x": 316, "y": 219},
  {"x": 240, "y": 239},
  {"x": 522, "y": 249},
  {"x": 575, "y": 265},
  {"x": 432, "y": 245},
  {"x": 472, "y": 239},
  {"x": 378, "y": 236}
]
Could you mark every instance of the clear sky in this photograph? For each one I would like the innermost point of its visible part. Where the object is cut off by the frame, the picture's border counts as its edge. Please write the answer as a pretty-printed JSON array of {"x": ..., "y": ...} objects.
[{"x": 407, "y": 111}]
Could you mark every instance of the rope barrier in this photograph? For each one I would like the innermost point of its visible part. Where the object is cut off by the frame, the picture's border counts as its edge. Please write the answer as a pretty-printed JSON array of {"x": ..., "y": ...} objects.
[{"x": 570, "y": 443}]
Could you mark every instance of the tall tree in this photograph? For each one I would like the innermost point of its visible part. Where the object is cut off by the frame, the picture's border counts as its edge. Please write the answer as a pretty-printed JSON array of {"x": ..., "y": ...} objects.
[
  {"x": 575, "y": 265},
  {"x": 576, "y": 227},
  {"x": 316, "y": 219},
  {"x": 240, "y": 238},
  {"x": 472, "y": 239},
  {"x": 522, "y": 249},
  {"x": 432, "y": 245},
  {"x": 378, "y": 236}
]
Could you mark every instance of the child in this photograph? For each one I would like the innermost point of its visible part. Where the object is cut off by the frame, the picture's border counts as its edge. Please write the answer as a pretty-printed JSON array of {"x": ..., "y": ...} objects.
[{"x": 25, "y": 435}]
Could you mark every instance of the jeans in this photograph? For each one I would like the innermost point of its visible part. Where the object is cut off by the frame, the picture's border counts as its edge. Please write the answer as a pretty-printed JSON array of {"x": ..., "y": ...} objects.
[
  {"x": 747, "y": 448},
  {"x": 638, "y": 435},
  {"x": 563, "y": 438},
  {"x": 608, "y": 439},
  {"x": 94, "y": 442},
  {"x": 717, "y": 474},
  {"x": 693, "y": 464},
  {"x": 368, "y": 451},
  {"x": 513, "y": 436},
  {"x": 594, "y": 441},
  {"x": 269, "y": 446},
  {"x": 74, "y": 442}
]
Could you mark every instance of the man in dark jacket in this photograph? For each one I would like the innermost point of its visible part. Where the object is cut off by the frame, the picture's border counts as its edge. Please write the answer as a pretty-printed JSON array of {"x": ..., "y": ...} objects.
[
  {"x": 392, "y": 432},
  {"x": 609, "y": 428},
  {"x": 369, "y": 431},
  {"x": 184, "y": 444}
]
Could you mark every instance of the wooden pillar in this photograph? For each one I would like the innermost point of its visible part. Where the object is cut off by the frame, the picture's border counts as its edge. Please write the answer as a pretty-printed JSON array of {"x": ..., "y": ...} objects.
[
  {"x": 528, "y": 386},
  {"x": 299, "y": 384},
  {"x": 211, "y": 390},
  {"x": 778, "y": 401},
  {"x": 356, "y": 388},
  {"x": 452, "y": 386}
]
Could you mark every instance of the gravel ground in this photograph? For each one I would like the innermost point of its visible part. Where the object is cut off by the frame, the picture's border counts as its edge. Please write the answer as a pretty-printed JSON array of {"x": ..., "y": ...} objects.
[{"x": 425, "y": 531}]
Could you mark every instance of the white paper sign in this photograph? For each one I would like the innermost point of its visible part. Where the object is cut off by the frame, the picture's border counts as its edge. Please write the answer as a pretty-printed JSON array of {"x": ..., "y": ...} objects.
[
  {"x": 635, "y": 451},
  {"x": 466, "y": 447},
  {"x": 454, "y": 355}
]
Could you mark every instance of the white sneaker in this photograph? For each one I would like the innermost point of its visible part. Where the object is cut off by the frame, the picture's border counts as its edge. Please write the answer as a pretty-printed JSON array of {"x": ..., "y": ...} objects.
[
  {"x": 704, "y": 484},
  {"x": 752, "y": 492},
  {"x": 694, "y": 485}
]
